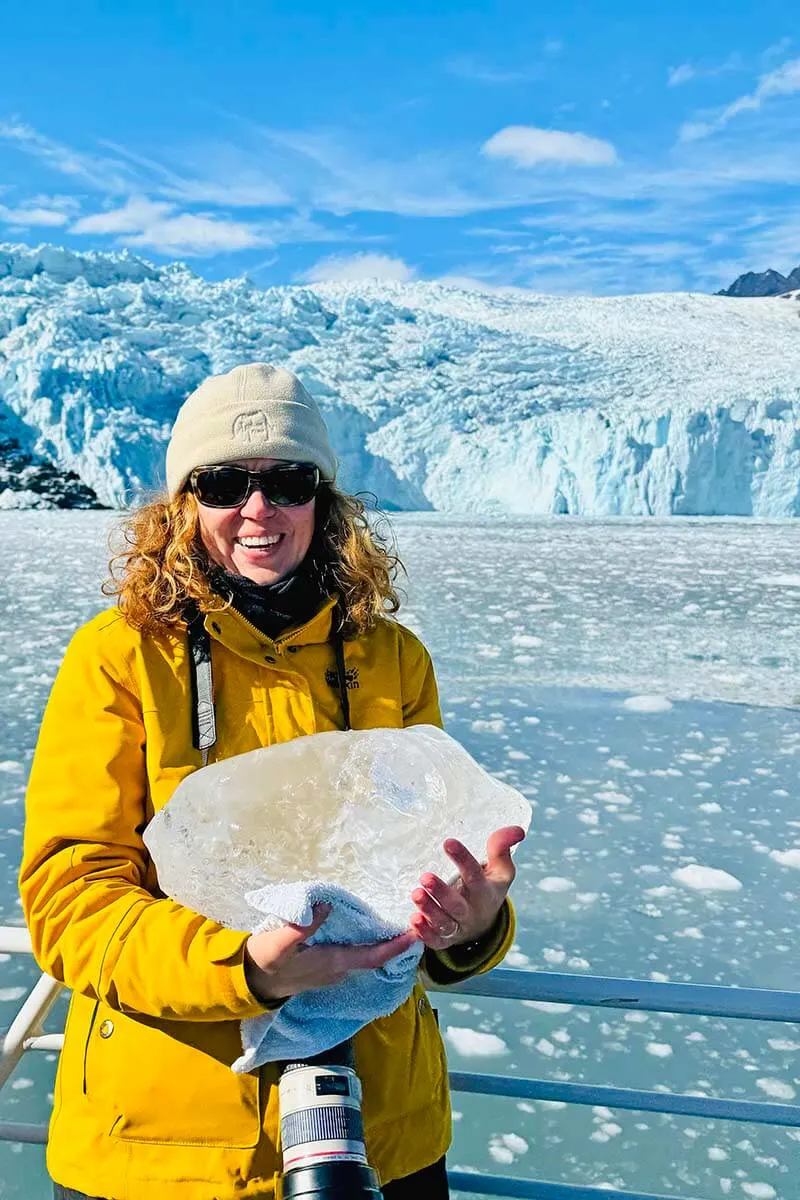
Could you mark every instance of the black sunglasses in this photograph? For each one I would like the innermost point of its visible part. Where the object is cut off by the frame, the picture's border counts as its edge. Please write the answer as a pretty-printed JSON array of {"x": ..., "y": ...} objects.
[{"x": 229, "y": 486}]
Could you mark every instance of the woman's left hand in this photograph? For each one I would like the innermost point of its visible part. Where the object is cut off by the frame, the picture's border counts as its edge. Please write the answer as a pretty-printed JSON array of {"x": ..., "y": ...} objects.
[{"x": 449, "y": 915}]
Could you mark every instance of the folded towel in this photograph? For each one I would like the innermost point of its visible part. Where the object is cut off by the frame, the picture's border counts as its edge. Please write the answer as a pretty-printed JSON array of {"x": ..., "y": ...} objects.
[{"x": 314, "y": 1021}]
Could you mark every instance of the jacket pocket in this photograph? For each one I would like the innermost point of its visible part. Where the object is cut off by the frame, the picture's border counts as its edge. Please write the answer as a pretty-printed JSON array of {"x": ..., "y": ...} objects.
[{"x": 171, "y": 1082}]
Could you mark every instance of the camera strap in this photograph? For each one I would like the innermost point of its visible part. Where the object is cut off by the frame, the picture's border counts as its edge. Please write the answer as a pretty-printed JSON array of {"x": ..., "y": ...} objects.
[{"x": 204, "y": 721}]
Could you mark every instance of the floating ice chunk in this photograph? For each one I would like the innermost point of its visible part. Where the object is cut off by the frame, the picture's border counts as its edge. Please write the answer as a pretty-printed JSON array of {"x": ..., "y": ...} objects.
[
  {"x": 481, "y": 726},
  {"x": 516, "y": 958},
  {"x": 647, "y": 704},
  {"x": 776, "y": 1088},
  {"x": 783, "y": 1044},
  {"x": 780, "y": 581},
  {"x": 659, "y": 1049},
  {"x": 555, "y": 883},
  {"x": 505, "y": 1147},
  {"x": 472, "y": 1043},
  {"x": 706, "y": 879},
  {"x": 367, "y": 810},
  {"x": 759, "y": 1191},
  {"x": 12, "y": 993},
  {"x": 786, "y": 858}
]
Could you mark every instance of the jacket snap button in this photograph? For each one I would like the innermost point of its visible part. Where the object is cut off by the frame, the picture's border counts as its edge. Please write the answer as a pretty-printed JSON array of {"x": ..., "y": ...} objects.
[
  {"x": 422, "y": 1004},
  {"x": 215, "y": 627},
  {"x": 106, "y": 1029},
  {"x": 269, "y": 658},
  {"x": 292, "y": 649}
]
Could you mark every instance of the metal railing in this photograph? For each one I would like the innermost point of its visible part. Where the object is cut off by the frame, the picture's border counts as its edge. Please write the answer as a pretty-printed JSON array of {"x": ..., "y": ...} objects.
[{"x": 758, "y": 1004}]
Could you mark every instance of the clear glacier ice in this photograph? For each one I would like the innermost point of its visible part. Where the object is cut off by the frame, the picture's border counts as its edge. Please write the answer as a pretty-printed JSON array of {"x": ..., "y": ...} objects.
[{"x": 366, "y": 809}]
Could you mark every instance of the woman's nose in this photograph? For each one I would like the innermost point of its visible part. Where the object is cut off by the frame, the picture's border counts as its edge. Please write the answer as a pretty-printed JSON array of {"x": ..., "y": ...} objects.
[{"x": 256, "y": 507}]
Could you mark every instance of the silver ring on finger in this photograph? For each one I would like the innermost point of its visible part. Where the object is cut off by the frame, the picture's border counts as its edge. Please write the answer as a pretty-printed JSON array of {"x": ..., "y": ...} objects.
[{"x": 452, "y": 934}]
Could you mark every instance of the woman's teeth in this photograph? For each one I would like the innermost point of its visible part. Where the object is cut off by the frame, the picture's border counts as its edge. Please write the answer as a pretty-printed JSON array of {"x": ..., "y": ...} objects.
[{"x": 258, "y": 543}]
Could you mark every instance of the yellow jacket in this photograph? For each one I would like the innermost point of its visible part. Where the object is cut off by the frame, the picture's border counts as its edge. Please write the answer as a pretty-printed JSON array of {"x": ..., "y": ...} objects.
[{"x": 145, "y": 1101}]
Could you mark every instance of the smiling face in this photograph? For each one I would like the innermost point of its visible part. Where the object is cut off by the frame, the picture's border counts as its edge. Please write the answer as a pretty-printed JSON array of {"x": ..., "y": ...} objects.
[{"x": 257, "y": 540}]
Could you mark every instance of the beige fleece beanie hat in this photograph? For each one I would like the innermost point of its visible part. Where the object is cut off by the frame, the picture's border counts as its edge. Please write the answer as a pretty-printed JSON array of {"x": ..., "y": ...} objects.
[{"x": 255, "y": 411}]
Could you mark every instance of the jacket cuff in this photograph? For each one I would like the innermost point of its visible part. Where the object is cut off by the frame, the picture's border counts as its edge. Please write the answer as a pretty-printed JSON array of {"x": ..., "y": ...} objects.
[
  {"x": 241, "y": 1000},
  {"x": 460, "y": 962}
]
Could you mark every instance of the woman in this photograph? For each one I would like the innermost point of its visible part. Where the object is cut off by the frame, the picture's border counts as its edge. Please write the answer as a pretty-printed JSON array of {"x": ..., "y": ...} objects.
[{"x": 256, "y": 568}]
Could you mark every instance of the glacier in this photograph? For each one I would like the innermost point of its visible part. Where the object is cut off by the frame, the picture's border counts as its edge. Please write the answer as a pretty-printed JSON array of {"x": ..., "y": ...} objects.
[{"x": 437, "y": 397}]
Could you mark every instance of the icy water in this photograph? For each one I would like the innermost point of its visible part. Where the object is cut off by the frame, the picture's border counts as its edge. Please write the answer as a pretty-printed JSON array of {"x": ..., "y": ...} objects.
[{"x": 638, "y": 680}]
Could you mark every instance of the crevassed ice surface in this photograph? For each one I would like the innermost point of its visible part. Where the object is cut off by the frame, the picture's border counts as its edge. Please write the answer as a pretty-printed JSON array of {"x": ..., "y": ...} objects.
[
  {"x": 546, "y": 636},
  {"x": 436, "y": 397},
  {"x": 367, "y": 810}
]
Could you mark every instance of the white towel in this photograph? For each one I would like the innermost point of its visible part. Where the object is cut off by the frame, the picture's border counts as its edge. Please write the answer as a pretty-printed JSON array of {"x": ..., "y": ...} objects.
[{"x": 317, "y": 1020}]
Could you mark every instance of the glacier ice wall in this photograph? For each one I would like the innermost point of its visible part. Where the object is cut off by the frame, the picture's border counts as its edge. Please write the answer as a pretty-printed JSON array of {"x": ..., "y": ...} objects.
[{"x": 436, "y": 397}]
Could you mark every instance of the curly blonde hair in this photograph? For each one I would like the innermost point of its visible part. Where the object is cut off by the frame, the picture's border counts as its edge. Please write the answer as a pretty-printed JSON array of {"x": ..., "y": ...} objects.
[{"x": 162, "y": 563}]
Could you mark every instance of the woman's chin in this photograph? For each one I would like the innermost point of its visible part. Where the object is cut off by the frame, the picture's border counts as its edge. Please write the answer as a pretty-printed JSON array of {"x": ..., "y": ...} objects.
[
  {"x": 260, "y": 567},
  {"x": 260, "y": 575}
]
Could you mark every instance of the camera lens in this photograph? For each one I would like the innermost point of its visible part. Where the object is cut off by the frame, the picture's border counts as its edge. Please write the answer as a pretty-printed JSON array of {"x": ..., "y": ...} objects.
[{"x": 322, "y": 1134}]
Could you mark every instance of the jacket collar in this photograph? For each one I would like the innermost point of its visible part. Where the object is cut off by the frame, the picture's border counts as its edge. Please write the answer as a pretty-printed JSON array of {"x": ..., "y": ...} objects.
[{"x": 236, "y": 633}]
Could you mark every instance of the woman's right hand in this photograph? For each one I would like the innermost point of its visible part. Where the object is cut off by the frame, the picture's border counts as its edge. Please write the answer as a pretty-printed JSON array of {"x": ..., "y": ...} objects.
[{"x": 278, "y": 963}]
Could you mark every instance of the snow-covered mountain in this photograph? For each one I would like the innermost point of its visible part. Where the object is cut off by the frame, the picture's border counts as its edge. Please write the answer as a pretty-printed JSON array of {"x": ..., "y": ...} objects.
[{"x": 437, "y": 397}]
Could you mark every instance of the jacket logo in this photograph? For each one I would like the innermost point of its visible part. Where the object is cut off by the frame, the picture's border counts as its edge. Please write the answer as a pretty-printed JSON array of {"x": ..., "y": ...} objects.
[
  {"x": 350, "y": 675},
  {"x": 251, "y": 427}
]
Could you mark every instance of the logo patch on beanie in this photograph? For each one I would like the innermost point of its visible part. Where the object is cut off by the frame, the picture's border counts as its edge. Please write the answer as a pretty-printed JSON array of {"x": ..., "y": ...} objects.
[{"x": 251, "y": 427}]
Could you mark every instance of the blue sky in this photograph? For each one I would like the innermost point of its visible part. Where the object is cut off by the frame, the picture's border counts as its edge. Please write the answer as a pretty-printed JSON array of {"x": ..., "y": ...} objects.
[{"x": 609, "y": 147}]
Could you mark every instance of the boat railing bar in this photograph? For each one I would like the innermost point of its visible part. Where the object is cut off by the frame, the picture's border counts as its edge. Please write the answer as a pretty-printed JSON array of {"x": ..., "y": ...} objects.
[
  {"x": 675, "y": 1103},
  {"x": 534, "y": 1189},
  {"x": 707, "y": 1000},
  {"x": 599, "y": 991},
  {"x": 27, "y": 1024}
]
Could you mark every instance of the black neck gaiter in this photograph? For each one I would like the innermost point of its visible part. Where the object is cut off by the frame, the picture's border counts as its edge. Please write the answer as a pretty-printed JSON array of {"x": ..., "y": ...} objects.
[{"x": 275, "y": 607}]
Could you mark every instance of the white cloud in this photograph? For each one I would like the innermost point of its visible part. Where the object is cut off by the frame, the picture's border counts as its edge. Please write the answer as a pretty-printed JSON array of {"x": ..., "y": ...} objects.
[
  {"x": 688, "y": 71},
  {"x": 144, "y": 222},
  {"x": 681, "y": 74},
  {"x": 783, "y": 81},
  {"x": 334, "y": 177},
  {"x": 228, "y": 180},
  {"x": 104, "y": 174},
  {"x": 476, "y": 71},
  {"x": 347, "y": 269},
  {"x": 30, "y": 215},
  {"x": 777, "y": 49},
  {"x": 527, "y": 146}
]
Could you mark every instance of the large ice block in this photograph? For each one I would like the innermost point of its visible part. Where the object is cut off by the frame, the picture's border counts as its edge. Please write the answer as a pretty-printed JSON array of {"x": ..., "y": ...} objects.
[{"x": 365, "y": 809}]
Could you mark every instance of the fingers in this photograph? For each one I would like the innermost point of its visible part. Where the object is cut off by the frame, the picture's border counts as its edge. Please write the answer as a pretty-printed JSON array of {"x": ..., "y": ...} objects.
[
  {"x": 339, "y": 960},
  {"x": 470, "y": 870},
  {"x": 290, "y": 937},
  {"x": 498, "y": 851},
  {"x": 430, "y": 934},
  {"x": 372, "y": 956},
  {"x": 275, "y": 968},
  {"x": 441, "y": 905}
]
